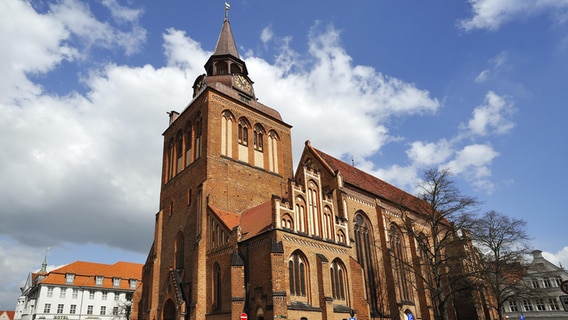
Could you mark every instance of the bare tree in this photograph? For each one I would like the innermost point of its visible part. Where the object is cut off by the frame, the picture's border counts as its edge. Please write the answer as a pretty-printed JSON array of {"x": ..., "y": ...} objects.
[
  {"x": 504, "y": 242},
  {"x": 434, "y": 221}
]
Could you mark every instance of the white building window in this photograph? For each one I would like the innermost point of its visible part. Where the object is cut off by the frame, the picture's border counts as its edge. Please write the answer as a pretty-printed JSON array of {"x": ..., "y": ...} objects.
[
  {"x": 73, "y": 309},
  {"x": 513, "y": 306},
  {"x": 553, "y": 304},
  {"x": 75, "y": 293},
  {"x": 99, "y": 280},
  {"x": 105, "y": 294},
  {"x": 60, "y": 308},
  {"x": 116, "y": 282},
  {"x": 69, "y": 277},
  {"x": 540, "y": 305},
  {"x": 103, "y": 310},
  {"x": 91, "y": 294},
  {"x": 47, "y": 308},
  {"x": 116, "y": 296},
  {"x": 527, "y": 305},
  {"x": 62, "y": 293},
  {"x": 133, "y": 283},
  {"x": 90, "y": 309},
  {"x": 50, "y": 291}
]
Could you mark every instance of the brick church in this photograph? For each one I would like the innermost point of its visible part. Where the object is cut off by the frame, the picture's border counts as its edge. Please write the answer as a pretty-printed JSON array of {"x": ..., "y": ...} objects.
[{"x": 238, "y": 231}]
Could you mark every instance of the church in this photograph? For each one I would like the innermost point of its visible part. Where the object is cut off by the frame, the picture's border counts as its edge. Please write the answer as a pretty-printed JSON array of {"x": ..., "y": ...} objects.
[{"x": 241, "y": 234}]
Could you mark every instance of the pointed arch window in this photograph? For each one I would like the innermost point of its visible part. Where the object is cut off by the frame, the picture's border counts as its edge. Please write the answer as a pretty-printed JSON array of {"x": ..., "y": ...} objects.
[
  {"x": 198, "y": 140},
  {"x": 188, "y": 143},
  {"x": 243, "y": 133},
  {"x": 314, "y": 208},
  {"x": 171, "y": 160},
  {"x": 366, "y": 256},
  {"x": 273, "y": 142},
  {"x": 258, "y": 138},
  {"x": 327, "y": 223},
  {"x": 227, "y": 134},
  {"x": 217, "y": 287},
  {"x": 338, "y": 280},
  {"x": 401, "y": 270},
  {"x": 179, "y": 152},
  {"x": 301, "y": 215},
  {"x": 297, "y": 272}
]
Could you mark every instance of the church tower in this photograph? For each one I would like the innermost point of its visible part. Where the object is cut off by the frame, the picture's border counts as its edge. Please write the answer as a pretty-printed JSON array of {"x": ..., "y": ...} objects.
[{"x": 224, "y": 152}]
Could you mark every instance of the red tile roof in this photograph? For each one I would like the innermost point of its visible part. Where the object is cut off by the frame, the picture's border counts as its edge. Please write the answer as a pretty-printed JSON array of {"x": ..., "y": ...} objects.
[
  {"x": 229, "y": 219},
  {"x": 9, "y": 314},
  {"x": 85, "y": 273},
  {"x": 256, "y": 220}
]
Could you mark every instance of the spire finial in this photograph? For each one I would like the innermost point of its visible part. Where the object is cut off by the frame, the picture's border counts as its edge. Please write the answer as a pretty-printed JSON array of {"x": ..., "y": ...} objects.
[
  {"x": 227, "y": 6},
  {"x": 44, "y": 263}
]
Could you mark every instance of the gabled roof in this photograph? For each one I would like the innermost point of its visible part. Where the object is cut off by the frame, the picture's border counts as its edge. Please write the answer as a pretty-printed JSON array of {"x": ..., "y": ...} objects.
[
  {"x": 256, "y": 220},
  {"x": 5, "y": 314},
  {"x": 362, "y": 180},
  {"x": 85, "y": 273},
  {"x": 229, "y": 219}
]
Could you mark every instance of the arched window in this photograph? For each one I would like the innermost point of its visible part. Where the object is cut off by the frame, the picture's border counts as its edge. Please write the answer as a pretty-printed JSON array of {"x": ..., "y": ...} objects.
[
  {"x": 243, "y": 132},
  {"x": 298, "y": 274},
  {"x": 287, "y": 222},
  {"x": 179, "y": 152},
  {"x": 327, "y": 223},
  {"x": 217, "y": 282},
  {"x": 171, "y": 159},
  {"x": 338, "y": 280},
  {"x": 169, "y": 310},
  {"x": 179, "y": 251},
  {"x": 273, "y": 151},
  {"x": 227, "y": 134},
  {"x": 188, "y": 144},
  {"x": 366, "y": 256},
  {"x": 313, "y": 211},
  {"x": 301, "y": 216},
  {"x": 258, "y": 137},
  {"x": 400, "y": 264},
  {"x": 221, "y": 67},
  {"x": 341, "y": 236},
  {"x": 198, "y": 132}
]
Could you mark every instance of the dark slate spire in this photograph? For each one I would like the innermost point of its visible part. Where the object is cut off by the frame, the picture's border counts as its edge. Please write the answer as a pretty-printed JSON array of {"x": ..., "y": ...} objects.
[{"x": 226, "y": 42}]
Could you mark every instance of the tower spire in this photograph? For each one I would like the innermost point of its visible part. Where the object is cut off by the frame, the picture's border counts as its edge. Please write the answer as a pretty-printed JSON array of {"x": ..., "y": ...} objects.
[
  {"x": 44, "y": 263},
  {"x": 227, "y": 6}
]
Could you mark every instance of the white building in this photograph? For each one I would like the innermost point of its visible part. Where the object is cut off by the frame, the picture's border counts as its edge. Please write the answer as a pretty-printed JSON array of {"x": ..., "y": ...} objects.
[
  {"x": 80, "y": 290},
  {"x": 545, "y": 277}
]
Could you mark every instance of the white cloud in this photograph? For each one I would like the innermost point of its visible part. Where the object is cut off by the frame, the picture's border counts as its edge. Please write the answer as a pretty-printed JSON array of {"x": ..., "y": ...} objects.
[
  {"x": 492, "y": 14},
  {"x": 266, "y": 34},
  {"x": 558, "y": 258},
  {"x": 492, "y": 116}
]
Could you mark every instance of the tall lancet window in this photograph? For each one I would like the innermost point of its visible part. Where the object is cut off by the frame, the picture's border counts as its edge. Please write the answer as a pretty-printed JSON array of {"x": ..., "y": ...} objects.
[
  {"x": 400, "y": 264},
  {"x": 227, "y": 134},
  {"x": 366, "y": 256}
]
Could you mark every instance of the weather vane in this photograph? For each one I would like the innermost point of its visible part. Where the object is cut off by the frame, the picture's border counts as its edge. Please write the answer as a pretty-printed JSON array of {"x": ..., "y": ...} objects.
[{"x": 227, "y": 6}]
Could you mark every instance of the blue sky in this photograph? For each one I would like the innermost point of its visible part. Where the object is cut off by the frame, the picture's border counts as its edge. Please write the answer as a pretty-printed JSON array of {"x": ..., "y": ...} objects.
[{"x": 477, "y": 86}]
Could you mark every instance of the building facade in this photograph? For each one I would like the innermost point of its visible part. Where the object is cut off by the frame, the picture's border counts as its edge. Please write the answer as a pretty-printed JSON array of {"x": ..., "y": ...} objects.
[
  {"x": 547, "y": 300},
  {"x": 239, "y": 232},
  {"x": 80, "y": 290}
]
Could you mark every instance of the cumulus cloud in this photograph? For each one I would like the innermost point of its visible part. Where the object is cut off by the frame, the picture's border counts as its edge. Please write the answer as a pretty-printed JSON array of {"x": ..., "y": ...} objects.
[
  {"x": 491, "y": 117},
  {"x": 492, "y": 14}
]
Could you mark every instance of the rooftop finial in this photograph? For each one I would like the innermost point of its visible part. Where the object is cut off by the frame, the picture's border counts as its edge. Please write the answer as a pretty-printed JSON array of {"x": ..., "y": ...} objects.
[
  {"x": 44, "y": 263},
  {"x": 227, "y": 6}
]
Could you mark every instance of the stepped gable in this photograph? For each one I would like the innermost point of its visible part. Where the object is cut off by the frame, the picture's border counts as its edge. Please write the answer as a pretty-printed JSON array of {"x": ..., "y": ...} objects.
[
  {"x": 256, "y": 220},
  {"x": 367, "y": 182}
]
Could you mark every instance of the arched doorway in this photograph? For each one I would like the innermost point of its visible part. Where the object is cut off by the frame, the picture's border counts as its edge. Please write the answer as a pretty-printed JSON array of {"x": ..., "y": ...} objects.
[{"x": 169, "y": 310}]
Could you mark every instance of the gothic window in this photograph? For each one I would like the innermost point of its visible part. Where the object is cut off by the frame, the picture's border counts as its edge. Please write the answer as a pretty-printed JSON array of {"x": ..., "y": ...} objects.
[
  {"x": 400, "y": 264},
  {"x": 327, "y": 223},
  {"x": 217, "y": 285},
  {"x": 301, "y": 215},
  {"x": 287, "y": 222},
  {"x": 341, "y": 236},
  {"x": 338, "y": 280},
  {"x": 298, "y": 274},
  {"x": 364, "y": 241},
  {"x": 313, "y": 211},
  {"x": 179, "y": 251},
  {"x": 171, "y": 160},
  {"x": 258, "y": 137},
  {"x": 179, "y": 152},
  {"x": 198, "y": 140},
  {"x": 273, "y": 151},
  {"x": 243, "y": 133},
  {"x": 227, "y": 134},
  {"x": 188, "y": 143}
]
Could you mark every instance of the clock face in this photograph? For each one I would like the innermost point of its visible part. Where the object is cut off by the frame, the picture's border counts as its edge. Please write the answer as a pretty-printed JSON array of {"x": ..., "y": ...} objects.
[{"x": 242, "y": 83}]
